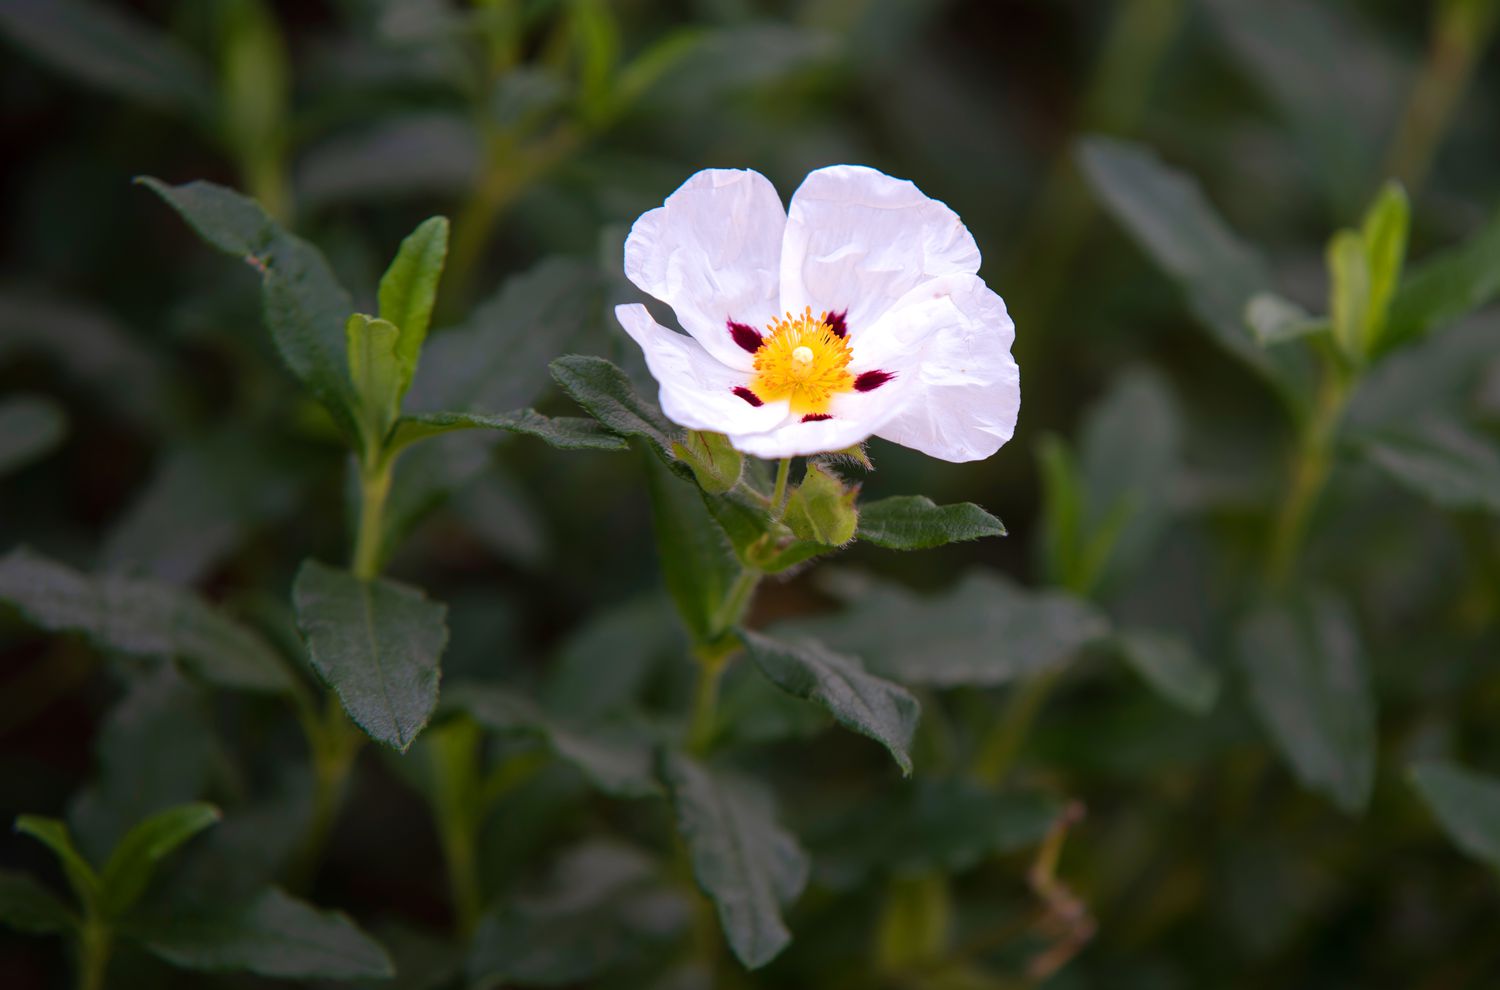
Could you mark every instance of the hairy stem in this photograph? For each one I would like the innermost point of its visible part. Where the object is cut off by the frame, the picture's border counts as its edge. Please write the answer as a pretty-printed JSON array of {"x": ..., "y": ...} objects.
[
  {"x": 778, "y": 494},
  {"x": 375, "y": 488}
]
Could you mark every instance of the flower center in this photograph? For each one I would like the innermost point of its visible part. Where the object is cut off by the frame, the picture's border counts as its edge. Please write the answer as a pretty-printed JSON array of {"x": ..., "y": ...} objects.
[{"x": 802, "y": 360}]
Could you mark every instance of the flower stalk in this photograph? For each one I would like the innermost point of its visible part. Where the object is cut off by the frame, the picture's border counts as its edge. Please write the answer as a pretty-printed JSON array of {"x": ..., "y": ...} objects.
[{"x": 1312, "y": 458}]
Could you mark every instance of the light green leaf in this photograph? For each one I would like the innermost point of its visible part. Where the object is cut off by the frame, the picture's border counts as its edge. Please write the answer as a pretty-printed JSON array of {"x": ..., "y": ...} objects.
[
  {"x": 1349, "y": 293},
  {"x": 983, "y": 631},
  {"x": 27, "y": 906},
  {"x": 914, "y": 522},
  {"x": 376, "y": 372},
  {"x": 743, "y": 860},
  {"x": 821, "y": 509},
  {"x": 563, "y": 432},
  {"x": 1446, "y": 287},
  {"x": 716, "y": 465},
  {"x": 304, "y": 306},
  {"x": 1170, "y": 217},
  {"x": 1467, "y": 804},
  {"x": 106, "y": 47},
  {"x": 377, "y": 644},
  {"x": 869, "y": 705},
  {"x": 607, "y": 394},
  {"x": 408, "y": 291},
  {"x": 1307, "y": 681},
  {"x": 130, "y": 866},
  {"x": 273, "y": 935},
  {"x": 141, "y": 618},
  {"x": 54, "y": 835},
  {"x": 697, "y": 562},
  {"x": 1168, "y": 664},
  {"x": 30, "y": 426},
  {"x": 1440, "y": 460},
  {"x": 614, "y": 759},
  {"x": 1275, "y": 320},
  {"x": 758, "y": 540},
  {"x": 1384, "y": 234}
]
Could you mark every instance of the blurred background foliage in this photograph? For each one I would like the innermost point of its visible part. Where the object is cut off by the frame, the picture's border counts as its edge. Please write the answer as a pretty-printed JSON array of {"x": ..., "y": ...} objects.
[{"x": 1168, "y": 722}]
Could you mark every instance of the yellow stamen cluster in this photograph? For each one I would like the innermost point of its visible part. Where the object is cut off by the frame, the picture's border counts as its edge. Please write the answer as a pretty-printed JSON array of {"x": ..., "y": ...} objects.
[{"x": 801, "y": 359}]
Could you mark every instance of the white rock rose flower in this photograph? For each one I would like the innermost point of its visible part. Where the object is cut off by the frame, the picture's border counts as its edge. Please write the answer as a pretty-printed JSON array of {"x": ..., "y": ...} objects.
[{"x": 856, "y": 313}]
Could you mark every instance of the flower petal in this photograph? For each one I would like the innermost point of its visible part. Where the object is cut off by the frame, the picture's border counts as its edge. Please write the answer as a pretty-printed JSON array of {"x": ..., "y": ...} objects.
[
  {"x": 696, "y": 391},
  {"x": 712, "y": 252},
  {"x": 859, "y": 240},
  {"x": 949, "y": 341},
  {"x": 853, "y": 418}
]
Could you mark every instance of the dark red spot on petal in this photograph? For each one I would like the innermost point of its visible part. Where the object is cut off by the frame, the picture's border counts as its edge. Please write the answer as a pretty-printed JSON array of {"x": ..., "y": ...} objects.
[
  {"x": 815, "y": 417},
  {"x": 836, "y": 323},
  {"x": 747, "y": 395},
  {"x": 871, "y": 380},
  {"x": 745, "y": 335}
]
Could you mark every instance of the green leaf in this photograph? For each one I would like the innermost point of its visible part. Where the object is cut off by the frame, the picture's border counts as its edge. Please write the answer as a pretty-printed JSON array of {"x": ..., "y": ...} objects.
[
  {"x": 377, "y": 644},
  {"x": 106, "y": 47},
  {"x": 983, "y": 631},
  {"x": 716, "y": 465},
  {"x": 869, "y": 705},
  {"x": 1349, "y": 288},
  {"x": 615, "y": 760},
  {"x": 914, "y": 522},
  {"x": 304, "y": 306},
  {"x": 377, "y": 375},
  {"x": 408, "y": 291},
  {"x": 1275, "y": 320},
  {"x": 1384, "y": 234},
  {"x": 1467, "y": 804},
  {"x": 1446, "y": 287},
  {"x": 743, "y": 860},
  {"x": 1307, "y": 681},
  {"x": 563, "y": 432},
  {"x": 1170, "y": 217},
  {"x": 758, "y": 540},
  {"x": 821, "y": 509},
  {"x": 697, "y": 562},
  {"x": 1168, "y": 664},
  {"x": 54, "y": 835},
  {"x": 608, "y": 660},
  {"x": 273, "y": 935},
  {"x": 1440, "y": 460},
  {"x": 607, "y": 394},
  {"x": 27, "y": 906},
  {"x": 30, "y": 426},
  {"x": 141, "y": 618},
  {"x": 130, "y": 866}
]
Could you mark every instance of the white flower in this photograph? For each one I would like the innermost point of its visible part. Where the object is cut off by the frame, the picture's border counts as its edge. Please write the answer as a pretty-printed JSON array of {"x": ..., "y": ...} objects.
[{"x": 858, "y": 313}]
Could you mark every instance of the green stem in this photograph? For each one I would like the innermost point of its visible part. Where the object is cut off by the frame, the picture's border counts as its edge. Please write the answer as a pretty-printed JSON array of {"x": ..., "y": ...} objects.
[
  {"x": 333, "y": 745},
  {"x": 1311, "y": 461},
  {"x": 736, "y": 601},
  {"x": 714, "y": 656},
  {"x": 458, "y": 807},
  {"x": 778, "y": 495},
  {"x": 375, "y": 488},
  {"x": 997, "y": 754},
  {"x": 701, "y": 727},
  {"x": 95, "y": 943}
]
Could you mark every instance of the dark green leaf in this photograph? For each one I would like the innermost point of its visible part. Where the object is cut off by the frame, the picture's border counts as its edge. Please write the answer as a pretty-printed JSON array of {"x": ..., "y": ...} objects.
[
  {"x": 607, "y": 394},
  {"x": 274, "y": 935},
  {"x": 54, "y": 835},
  {"x": 758, "y": 540},
  {"x": 1442, "y": 461},
  {"x": 1168, "y": 664},
  {"x": 377, "y": 644},
  {"x": 408, "y": 291},
  {"x": 564, "y": 432},
  {"x": 983, "y": 631},
  {"x": 109, "y": 48},
  {"x": 400, "y": 154},
  {"x": 30, "y": 426},
  {"x": 914, "y": 522},
  {"x": 605, "y": 663},
  {"x": 1446, "y": 287},
  {"x": 1307, "y": 679},
  {"x": 867, "y": 704},
  {"x": 696, "y": 560},
  {"x": 614, "y": 759},
  {"x": 743, "y": 860},
  {"x": 134, "y": 860},
  {"x": 27, "y": 906},
  {"x": 141, "y": 618},
  {"x": 304, "y": 306},
  {"x": 1466, "y": 803},
  {"x": 1168, "y": 214}
]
